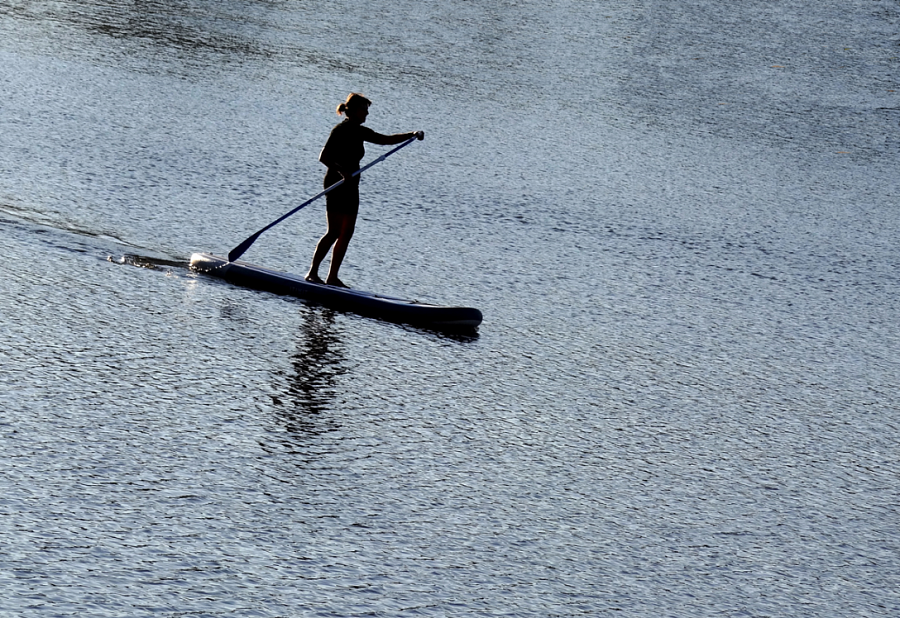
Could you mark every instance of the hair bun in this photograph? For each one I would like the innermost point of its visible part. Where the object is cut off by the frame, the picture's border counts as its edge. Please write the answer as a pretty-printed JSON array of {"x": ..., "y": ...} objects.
[{"x": 354, "y": 99}]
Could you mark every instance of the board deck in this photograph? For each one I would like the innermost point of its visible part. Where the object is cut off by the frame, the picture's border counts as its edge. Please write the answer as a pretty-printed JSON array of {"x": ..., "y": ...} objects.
[{"x": 356, "y": 301}]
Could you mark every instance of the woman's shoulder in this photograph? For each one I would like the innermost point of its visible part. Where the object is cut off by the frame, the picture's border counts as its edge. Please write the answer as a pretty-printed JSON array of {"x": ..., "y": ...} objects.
[
  {"x": 348, "y": 127},
  {"x": 352, "y": 132},
  {"x": 340, "y": 127}
]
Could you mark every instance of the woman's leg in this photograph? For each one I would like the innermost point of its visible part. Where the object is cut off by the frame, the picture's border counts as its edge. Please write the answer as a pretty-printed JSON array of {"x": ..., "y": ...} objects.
[
  {"x": 345, "y": 224},
  {"x": 324, "y": 244}
]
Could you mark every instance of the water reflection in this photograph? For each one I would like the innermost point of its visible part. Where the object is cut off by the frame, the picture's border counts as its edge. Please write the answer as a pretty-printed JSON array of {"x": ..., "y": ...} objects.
[
  {"x": 232, "y": 311},
  {"x": 460, "y": 335},
  {"x": 317, "y": 363}
]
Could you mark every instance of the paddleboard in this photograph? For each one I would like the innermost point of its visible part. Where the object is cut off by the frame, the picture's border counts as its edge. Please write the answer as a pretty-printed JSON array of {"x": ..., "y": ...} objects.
[{"x": 364, "y": 303}]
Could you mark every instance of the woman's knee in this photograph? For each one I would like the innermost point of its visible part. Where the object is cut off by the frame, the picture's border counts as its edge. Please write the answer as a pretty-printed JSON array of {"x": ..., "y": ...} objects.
[{"x": 330, "y": 237}]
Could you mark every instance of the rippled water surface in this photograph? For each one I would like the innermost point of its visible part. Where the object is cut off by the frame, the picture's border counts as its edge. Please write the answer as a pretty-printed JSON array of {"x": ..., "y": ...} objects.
[{"x": 679, "y": 218}]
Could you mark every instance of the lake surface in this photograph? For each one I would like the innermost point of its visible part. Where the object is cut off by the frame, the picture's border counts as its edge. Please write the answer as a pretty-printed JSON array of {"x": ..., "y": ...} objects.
[{"x": 680, "y": 220}]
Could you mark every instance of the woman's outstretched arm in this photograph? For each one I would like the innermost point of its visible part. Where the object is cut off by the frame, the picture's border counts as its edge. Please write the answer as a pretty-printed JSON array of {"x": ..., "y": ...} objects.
[{"x": 390, "y": 140}]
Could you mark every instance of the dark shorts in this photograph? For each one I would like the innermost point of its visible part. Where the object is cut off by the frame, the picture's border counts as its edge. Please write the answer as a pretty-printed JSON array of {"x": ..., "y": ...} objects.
[{"x": 345, "y": 199}]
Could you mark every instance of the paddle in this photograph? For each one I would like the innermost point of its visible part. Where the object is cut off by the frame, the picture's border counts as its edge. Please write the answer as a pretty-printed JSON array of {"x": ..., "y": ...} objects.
[{"x": 238, "y": 251}]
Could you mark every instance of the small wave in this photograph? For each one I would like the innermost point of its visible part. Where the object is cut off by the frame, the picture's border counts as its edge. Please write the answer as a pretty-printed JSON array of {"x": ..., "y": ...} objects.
[{"x": 143, "y": 261}]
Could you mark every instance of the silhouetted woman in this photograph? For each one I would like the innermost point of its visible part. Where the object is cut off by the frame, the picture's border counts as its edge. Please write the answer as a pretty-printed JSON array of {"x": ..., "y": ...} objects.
[{"x": 342, "y": 153}]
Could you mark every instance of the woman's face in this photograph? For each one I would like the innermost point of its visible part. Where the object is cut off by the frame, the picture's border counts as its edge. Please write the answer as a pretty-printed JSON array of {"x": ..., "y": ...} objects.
[{"x": 358, "y": 113}]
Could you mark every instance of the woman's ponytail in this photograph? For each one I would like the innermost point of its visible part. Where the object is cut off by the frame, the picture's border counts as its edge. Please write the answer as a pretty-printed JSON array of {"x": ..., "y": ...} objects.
[{"x": 354, "y": 99}]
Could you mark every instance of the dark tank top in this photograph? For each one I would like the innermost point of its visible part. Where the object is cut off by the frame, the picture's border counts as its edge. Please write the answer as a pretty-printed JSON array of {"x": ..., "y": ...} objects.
[{"x": 345, "y": 147}]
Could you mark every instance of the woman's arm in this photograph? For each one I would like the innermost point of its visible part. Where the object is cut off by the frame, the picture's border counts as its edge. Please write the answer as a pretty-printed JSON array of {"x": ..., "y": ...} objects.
[
  {"x": 390, "y": 140},
  {"x": 329, "y": 162}
]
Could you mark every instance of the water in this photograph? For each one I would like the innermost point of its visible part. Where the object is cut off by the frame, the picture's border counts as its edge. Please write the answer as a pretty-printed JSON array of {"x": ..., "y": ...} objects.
[{"x": 679, "y": 220}]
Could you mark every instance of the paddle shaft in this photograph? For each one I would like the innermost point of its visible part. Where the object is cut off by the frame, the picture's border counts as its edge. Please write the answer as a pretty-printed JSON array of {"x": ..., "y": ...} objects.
[{"x": 238, "y": 251}]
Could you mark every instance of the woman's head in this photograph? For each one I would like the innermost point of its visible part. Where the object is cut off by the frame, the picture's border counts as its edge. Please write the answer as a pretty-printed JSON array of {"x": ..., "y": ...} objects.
[{"x": 355, "y": 102}]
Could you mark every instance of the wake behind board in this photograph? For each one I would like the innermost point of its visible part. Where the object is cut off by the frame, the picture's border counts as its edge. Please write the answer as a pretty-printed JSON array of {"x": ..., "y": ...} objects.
[{"x": 364, "y": 303}]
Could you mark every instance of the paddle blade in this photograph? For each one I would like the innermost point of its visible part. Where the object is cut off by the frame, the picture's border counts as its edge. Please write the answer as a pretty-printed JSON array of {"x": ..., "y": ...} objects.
[{"x": 238, "y": 251}]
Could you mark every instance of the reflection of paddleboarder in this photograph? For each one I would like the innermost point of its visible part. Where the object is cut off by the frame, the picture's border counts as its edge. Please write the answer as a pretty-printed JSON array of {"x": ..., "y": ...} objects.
[{"x": 342, "y": 153}]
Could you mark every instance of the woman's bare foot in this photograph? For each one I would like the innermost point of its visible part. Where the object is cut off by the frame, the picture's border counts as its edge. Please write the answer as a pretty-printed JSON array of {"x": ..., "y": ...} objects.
[
  {"x": 313, "y": 278},
  {"x": 336, "y": 283}
]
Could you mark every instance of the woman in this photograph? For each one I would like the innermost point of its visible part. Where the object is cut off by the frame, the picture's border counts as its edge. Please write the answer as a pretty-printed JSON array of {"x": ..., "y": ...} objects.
[{"x": 342, "y": 153}]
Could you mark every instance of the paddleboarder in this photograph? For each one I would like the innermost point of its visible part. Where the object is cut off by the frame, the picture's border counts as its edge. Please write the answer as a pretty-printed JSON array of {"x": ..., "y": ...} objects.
[{"x": 341, "y": 155}]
